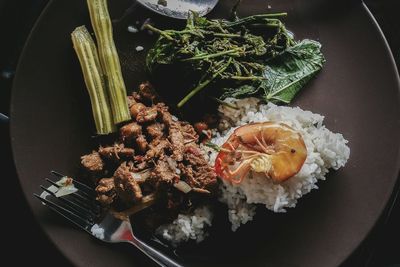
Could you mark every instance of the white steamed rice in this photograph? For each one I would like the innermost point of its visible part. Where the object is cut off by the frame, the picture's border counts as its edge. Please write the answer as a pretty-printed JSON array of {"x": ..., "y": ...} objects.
[
  {"x": 325, "y": 150},
  {"x": 187, "y": 227}
]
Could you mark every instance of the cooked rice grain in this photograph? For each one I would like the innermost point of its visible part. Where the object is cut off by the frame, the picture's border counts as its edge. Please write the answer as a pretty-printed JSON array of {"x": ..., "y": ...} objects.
[{"x": 187, "y": 227}]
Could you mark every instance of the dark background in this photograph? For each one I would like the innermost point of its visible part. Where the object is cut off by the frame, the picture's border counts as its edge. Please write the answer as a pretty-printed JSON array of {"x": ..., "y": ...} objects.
[{"x": 25, "y": 241}]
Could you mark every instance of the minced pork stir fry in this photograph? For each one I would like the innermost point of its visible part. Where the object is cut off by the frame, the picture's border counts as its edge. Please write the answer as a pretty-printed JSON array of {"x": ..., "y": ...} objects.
[{"x": 155, "y": 158}]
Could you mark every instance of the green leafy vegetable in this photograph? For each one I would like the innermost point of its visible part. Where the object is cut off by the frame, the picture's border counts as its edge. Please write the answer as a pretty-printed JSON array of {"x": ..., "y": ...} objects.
[
  {"x": 289, "y": 72},
  {"x": 285, "y": 74},
  {"x": 251, "y": 56},
  {"x": 220, "y": 50}
]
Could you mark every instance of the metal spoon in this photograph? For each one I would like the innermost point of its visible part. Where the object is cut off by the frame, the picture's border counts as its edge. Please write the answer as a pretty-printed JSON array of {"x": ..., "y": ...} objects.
[{"x": 179, "y": 8}]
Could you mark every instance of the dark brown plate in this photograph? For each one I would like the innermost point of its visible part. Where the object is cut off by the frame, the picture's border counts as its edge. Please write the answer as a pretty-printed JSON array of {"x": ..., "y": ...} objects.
[{"x": 357, "y": 91}]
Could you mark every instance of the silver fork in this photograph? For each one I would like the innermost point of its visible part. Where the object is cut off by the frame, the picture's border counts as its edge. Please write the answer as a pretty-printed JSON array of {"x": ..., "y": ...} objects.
[{"x": 82, "y": 209}]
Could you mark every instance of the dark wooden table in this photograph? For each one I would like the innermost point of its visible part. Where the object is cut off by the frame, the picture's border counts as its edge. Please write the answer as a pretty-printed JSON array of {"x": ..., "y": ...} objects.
[{"x": 25, "y": 241}]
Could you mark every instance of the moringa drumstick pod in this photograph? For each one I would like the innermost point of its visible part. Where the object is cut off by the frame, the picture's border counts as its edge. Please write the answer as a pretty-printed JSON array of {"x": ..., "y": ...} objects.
[
  {"x": 109, "y": 60},
  {"x": 94, "y": 79}
]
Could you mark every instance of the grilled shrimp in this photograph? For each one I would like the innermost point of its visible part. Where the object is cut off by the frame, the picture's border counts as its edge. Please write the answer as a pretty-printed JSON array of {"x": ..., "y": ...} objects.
[{"x": 272, "y": 148}]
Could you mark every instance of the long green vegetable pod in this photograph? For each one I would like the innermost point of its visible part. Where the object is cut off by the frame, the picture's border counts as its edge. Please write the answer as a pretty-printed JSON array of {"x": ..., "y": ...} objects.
[
  {"x": 94, "y": 79},
  {"x": 109, "y": 60}
]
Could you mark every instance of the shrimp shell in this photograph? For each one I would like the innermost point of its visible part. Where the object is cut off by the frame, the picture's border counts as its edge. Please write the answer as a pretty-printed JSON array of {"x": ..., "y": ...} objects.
[{"x": 272, "y": 148}]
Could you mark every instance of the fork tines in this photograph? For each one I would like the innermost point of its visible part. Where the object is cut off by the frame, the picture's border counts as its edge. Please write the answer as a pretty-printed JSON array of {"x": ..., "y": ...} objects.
[
  {"x": 79, "y": 207},
  {"x": 78, "y": 184}
]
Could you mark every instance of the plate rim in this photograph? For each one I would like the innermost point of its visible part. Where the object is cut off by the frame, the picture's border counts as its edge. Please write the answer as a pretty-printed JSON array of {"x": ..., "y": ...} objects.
[
  {"x": 396, "y": 188},
  {"x": 28, "y": 40}
]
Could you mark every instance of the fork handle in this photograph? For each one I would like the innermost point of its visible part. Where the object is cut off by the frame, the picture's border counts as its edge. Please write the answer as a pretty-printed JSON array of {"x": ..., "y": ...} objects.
[
  {"x": 4, "y": 118},
  {"x": 158, "y": 257}
]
